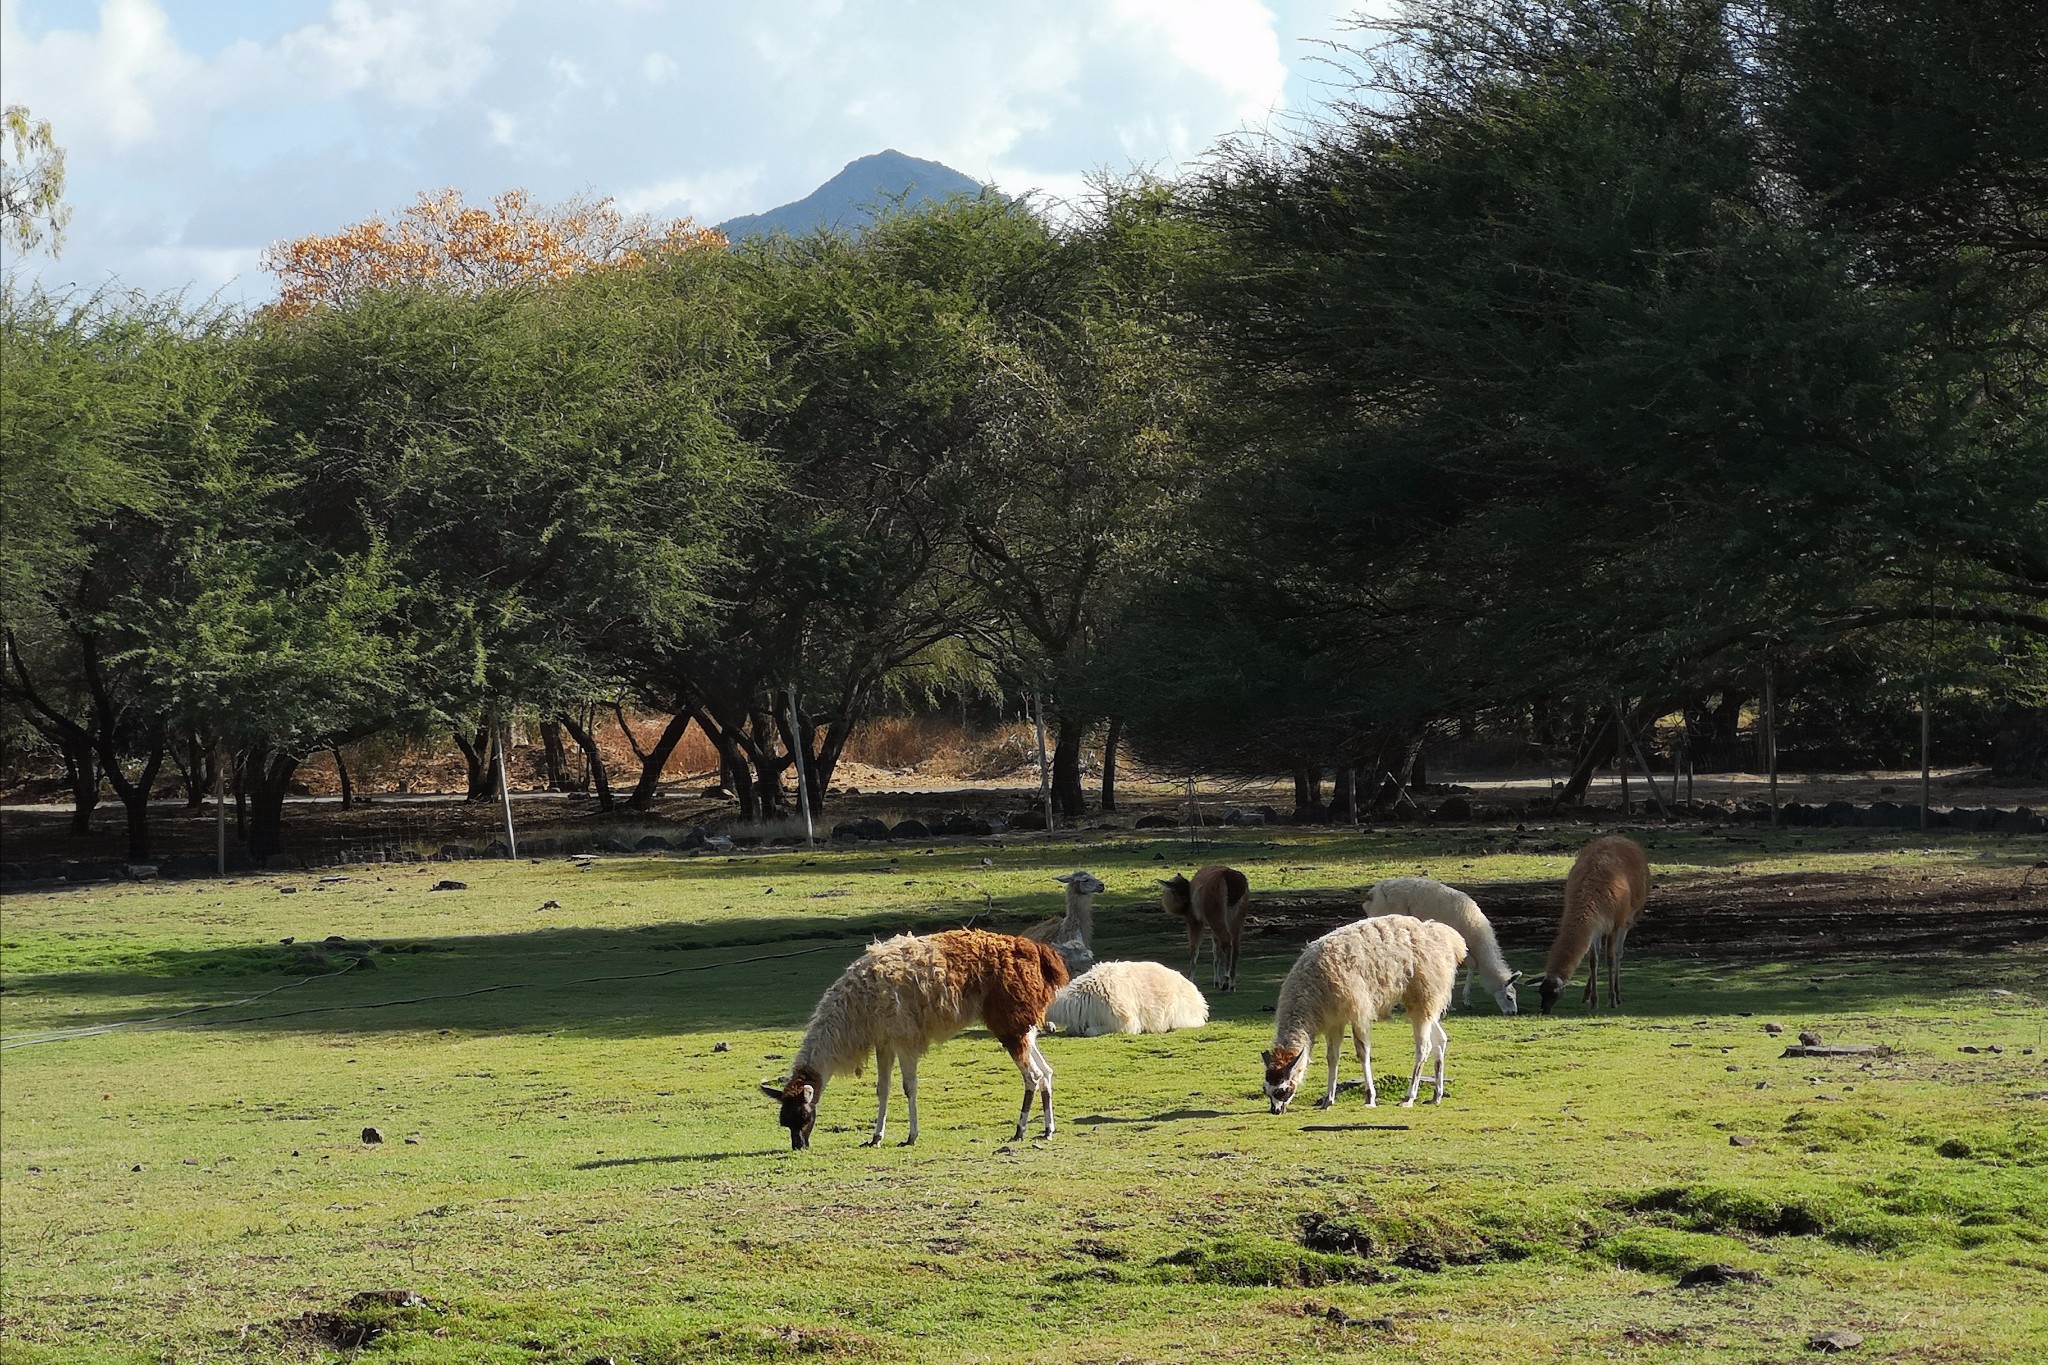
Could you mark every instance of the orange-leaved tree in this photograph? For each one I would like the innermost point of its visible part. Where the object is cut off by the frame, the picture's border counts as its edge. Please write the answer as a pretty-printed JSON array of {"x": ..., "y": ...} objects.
[{"x": 443, "y": 241}]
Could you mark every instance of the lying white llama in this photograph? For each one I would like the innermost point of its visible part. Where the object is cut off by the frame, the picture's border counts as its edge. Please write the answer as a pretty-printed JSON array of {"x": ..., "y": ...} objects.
[
  {"x": 1355, "y": 975},
  {"x": 1072, "y": 934},
  {"x": 1214, "y": 903},
  {"x": 1432, "y": 900},
  {"x": 901, "y": 996},
  {"x": 1127, "y": 997}
]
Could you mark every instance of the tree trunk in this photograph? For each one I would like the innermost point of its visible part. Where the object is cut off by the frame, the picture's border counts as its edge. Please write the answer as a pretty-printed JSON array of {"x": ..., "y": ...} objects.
[
  {"x": 135, "y": 800},
  {"x": 820, "y": 769},
  {"x": 1418, "y": 775},
  {"x": 557, "y": 759},
  {"x": 1109, "y": 742},
  {"x": 1308, "y": 793},
  {"x": 241, "y": 771},
  {"x": 1344, "y": 793},
  {"x": 196, "y": 769},
  {"x": 593, "y": 760},
  {"x": 348, "y": 795},
  {"x": 1067, "y": 797},
  {"x": 82, "y": 769},
  {"x": 655, "y": 760},
  {"x": 1601, "y": 747},
  {"x": 269, "y": 774},
  {"x": 483, "y": 774}
]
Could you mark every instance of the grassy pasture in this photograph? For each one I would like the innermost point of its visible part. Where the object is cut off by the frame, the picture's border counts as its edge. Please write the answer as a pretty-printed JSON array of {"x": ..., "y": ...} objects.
[{"x": 571, "y": 1170}]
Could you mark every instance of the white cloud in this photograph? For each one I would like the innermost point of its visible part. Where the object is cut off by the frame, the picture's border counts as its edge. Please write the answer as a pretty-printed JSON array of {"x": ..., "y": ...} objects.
[
  {"x": 1232, "y": 43},
  {"x": 189, "y": 162},
  {"x": 707, "y": 199}
]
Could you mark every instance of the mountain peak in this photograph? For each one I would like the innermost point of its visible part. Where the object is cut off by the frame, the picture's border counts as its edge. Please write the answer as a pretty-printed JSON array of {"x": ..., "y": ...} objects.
[{"x": 848, "y": 200}]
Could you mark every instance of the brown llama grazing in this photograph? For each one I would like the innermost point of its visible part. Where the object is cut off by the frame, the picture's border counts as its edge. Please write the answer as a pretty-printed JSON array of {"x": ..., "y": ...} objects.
[
  {"x": 1603, "y": 898},
  {"x": 903, "y": 995},
  {"x": 1214, "y": 903}
]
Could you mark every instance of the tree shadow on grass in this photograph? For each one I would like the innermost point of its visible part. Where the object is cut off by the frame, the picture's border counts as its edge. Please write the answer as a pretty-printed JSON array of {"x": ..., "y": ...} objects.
[{"x": 766, "y": 971}]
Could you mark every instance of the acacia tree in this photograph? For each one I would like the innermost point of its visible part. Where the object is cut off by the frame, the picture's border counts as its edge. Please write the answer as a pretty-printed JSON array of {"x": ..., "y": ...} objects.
[
  {"x": 879, "y": 348},
  {"x": 445, "y": 243},
  {"x": 1086, "y": 470},
  {"x": 108, "y": 405},
  {"x": 1562, "y": 394},
  {"x": 547, "y": 468},
  {"x": 32, "y": 207}
]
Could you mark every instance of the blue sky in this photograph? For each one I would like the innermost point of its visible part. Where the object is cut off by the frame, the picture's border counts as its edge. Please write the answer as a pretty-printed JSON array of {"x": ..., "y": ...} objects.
[{"x": 199, "y": 131}]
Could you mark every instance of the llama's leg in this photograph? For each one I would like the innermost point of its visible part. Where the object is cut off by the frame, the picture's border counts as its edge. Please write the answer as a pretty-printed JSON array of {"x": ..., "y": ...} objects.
[
  {"x": 1044, "y": 1069},
  {"x": 1363, "y": 1033},
  {"x": 1467, "y": 999},
  {"x": 885, "y": 1061},
  {"x": 1334, "y": 1046},
  {"x": 1443, "y": 1052},
  {"x": 1592, "y": 995},
  {"x": 1236, "y": 955},
  {"x": 1020, "y": 1053},
  {"x": 1422, "y": 1050},
  {"x": 1614, "y": 967},
  {"x": 910, "y": 1093},
  {"x": 1194, "y": 948}
]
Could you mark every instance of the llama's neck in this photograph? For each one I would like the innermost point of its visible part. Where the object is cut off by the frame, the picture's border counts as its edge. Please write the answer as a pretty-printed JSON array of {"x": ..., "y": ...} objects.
[
  {"x": 1487, "y": 958},
  {"x": 1568, "y": 949},
  {"x": 1079, "y": 921},
  {"x": 1294, "y": 1026},
  {"x": 803, "y": 1072}
]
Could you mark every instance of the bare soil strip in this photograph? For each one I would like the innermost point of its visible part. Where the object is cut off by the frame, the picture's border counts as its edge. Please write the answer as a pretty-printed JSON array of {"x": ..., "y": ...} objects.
[{"x": 1743, "y": 915}]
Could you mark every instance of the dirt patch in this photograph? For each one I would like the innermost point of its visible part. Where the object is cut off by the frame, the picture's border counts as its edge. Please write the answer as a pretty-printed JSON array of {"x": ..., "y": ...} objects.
[{"x": 1750, "y": 916}]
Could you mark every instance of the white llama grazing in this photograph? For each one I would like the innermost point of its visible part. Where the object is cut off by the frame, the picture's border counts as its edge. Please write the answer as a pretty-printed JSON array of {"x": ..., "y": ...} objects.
[
  {"x": 901, "y": 996},
  {"x": 1432, "y": 900},
  {"x": 1355, "y": 975},
  {"x": 1072, "y": 934},
  {"x": 1127, "y": 997}
]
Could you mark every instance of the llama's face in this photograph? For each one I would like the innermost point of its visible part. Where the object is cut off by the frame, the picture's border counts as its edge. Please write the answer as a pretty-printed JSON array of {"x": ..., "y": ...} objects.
[
  {"x": 799, "y": 1111},
  {"x": 1553, "y": 987},
  {"x": 1177, "y": 896},
  {"x": 1510, "y": 1003},
  {"x": 1284, "y": 1068},
  {"x": 1083, "y": 883}
]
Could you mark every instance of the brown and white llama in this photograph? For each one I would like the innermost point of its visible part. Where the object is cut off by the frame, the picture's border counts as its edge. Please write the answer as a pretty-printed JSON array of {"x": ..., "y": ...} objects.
[
  {"x": 1354, "y": 975},
  {"x": 1072, "y": 933},
  {"x": 901, "y": 996},
  {"x": 1214, "y": 903},
  {"x": 1603, "y": 898}
]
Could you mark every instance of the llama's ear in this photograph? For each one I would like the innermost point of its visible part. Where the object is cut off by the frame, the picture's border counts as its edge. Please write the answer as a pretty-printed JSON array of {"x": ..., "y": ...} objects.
[
  {"x": 810, "y": 1095},
  {"x": 771, "y": 1090},
  {"x": 1064, "y": 877},
  {"x": 1513, "y": 977},
  {"x": 1268, "y": 1055}
]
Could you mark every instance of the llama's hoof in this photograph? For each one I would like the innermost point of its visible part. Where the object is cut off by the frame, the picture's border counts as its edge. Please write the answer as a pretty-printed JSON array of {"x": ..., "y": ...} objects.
[
  {"x": 1408, "y": 1104},
  {"x": 910, "y": 1141},
  {"x": 874, "y": 1140},
  {"x": 1327, "y": 1102}
]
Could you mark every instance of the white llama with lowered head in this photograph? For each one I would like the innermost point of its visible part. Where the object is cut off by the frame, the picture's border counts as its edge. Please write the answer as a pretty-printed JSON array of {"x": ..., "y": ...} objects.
[
  {"x": 1352, "y": 976},
  {"x": 1432, "y": 900}
]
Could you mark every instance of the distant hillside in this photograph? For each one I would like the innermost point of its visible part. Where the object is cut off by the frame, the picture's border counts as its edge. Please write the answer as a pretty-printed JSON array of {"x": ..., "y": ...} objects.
[{"x": 849, "y": 199}]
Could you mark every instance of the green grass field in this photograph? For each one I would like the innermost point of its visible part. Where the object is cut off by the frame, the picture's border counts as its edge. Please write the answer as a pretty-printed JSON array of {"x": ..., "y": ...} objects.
[{"x": 573, "y": 1169}]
